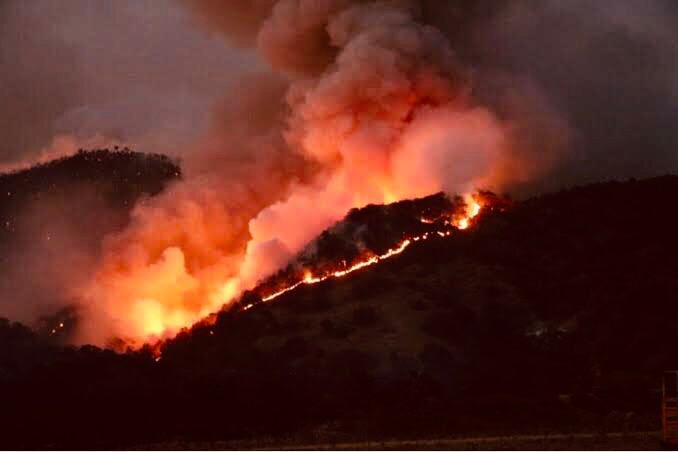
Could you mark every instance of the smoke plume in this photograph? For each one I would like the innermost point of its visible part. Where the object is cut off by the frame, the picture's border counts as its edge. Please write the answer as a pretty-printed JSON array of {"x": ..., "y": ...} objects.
[
  {"x": 372, "y": 106},
  {"x": 374, "y": 101},
  {"x": 607, "y": 68}
]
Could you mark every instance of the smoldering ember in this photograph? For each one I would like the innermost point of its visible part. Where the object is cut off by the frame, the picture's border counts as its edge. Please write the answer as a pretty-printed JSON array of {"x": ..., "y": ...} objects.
[{"x": 350, "y": 224}]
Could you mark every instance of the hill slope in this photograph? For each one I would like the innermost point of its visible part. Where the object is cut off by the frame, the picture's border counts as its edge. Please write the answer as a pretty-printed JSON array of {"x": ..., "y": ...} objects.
[
  {"x": 554, "y": 314},
  {"x": 53, "y": 218}
]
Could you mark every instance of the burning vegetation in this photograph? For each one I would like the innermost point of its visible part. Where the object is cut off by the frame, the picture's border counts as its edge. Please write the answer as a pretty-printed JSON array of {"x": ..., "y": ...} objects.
[
  {"x": 366, "y": 103},
  {"x": 370, "y": 235},
  {"x": 355, "y": 103},
  {"x": 362, "y": 103},
  {"x": 424, "y": 343},
  {"x": 365, "y": 237},
  {"x": 341, "y": 182}
]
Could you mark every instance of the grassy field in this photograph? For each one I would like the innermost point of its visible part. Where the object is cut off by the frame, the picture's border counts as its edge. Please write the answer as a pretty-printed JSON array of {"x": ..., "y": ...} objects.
[{"x": 575, "y": 441}]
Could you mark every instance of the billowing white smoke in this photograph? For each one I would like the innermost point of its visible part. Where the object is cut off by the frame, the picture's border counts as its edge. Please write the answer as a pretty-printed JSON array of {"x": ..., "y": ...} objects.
[{"x": 377, "y": 109}]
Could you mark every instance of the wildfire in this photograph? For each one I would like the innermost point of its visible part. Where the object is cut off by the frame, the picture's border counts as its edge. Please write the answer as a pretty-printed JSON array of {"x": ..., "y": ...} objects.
[
  {"x": 56, "y": 329},
  {"x": 463, "y": 221},
  {"x": 390, "y": 118},
  {"x": 159, "y": 309}
]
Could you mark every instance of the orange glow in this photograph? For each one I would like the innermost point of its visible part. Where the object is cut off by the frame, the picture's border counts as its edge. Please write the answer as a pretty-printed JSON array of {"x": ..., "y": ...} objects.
[
  {"x": 392, "y": 118},
  {"x": 164, "y": 297},
  {"x": 472, "y": 209}
]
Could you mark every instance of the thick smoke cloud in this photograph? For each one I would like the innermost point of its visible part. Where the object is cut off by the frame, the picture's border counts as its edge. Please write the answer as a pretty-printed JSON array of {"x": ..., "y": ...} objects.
[
  {"x": 179, "y": 258},
  {"x": 239, "y": 21},
  {"x": 80, "y": 74},
  {"x": 371, "y": 105},
  {"x": 361, "y": 102},
  {"x": 289, "y": 34},
  {"x": 608, "y": 68},
  {"x": 384, "y": 100}
]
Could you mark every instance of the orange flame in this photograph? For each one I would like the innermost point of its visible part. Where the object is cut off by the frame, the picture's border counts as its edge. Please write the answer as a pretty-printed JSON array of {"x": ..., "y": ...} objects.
[
  {"x": 472, "y": 209},
  {"x": 156, "y": 322}
]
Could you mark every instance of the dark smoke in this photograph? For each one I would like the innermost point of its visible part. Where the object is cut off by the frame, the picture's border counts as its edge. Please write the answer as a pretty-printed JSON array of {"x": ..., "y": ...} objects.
[
  {"x": 608, "y": 68},
  {"x": 596, "y": 79}
]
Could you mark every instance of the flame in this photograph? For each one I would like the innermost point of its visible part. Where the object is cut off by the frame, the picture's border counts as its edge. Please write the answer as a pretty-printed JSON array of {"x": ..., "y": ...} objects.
[
  {"x": 473, "y": 206},
  {"x": 471, "y": 211},
  {"x": 382, "y": 123},
  {"x": 161, "y": 311},
  {"x": 56, "y": 329}
]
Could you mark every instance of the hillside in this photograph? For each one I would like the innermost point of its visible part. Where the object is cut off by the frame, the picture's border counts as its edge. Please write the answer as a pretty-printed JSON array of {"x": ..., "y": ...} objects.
[
  {"x": 554, "y": 314},
  {"x": 120, "y": 176},
  {"x": 53, "y": 219}
]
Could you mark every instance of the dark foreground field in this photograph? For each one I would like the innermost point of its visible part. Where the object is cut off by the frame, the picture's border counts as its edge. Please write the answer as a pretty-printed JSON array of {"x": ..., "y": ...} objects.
[{"x": 574, "y": 441}]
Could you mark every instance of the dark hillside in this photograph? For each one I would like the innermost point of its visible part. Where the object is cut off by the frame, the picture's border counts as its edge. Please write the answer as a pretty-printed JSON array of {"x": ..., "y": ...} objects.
[
  {"x": 553, "y": 315},
  {"x": 120, "y": 177},
  {"x": 53, "y": 218}
]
